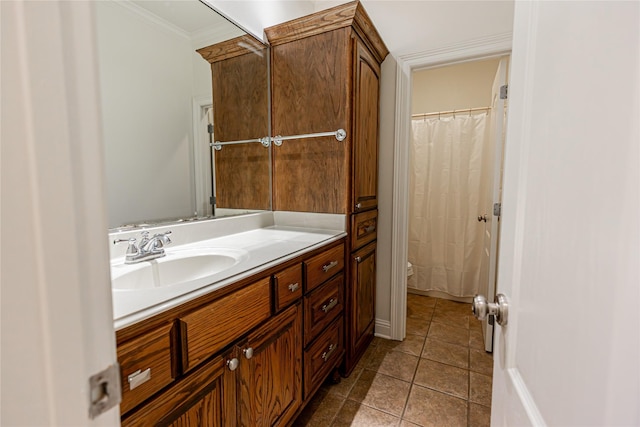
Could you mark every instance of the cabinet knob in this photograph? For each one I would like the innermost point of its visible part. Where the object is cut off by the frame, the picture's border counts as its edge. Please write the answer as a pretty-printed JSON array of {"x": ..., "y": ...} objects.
[
  {"x": 358, "y": 205},
  {"x": 233, "y": 364},
  {"x": 248, "y": 352},
  {"x": 294, "y": 286},
  {"x": 358, "y": 259}
]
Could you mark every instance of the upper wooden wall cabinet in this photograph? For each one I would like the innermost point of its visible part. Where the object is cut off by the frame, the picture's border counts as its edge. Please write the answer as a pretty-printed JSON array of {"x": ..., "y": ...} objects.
[{"x": 325, "y": 72}]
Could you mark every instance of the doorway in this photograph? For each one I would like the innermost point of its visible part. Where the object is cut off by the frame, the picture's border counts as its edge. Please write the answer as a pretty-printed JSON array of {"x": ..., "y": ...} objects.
[{"x": 400, "y": 224}]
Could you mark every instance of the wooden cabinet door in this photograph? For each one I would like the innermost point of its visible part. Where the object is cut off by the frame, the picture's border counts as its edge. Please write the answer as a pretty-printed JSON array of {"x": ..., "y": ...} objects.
[
  {"x": 270, "y": 371},
  {"x": 203, "y": 399},
  {"x": 363, "y": 297},
  {"x": 365, "y": 129}
]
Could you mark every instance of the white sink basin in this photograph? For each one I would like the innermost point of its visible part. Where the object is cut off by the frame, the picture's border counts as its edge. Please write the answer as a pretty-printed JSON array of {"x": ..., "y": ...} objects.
[{"x": 176, "y": 267}]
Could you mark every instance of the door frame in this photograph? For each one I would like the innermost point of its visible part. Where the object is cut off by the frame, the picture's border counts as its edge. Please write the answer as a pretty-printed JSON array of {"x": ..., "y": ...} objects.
[{"x": 477, "y": 49}]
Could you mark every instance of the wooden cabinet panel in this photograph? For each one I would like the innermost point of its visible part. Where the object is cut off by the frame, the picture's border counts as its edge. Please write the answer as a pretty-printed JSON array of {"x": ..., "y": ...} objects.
[
  {"x": 321, "y": 267},
  {"x": 363, "y": 297},
  {"x": 196, "y": 401},
  {"x": 145, "y": 366},
  {"x": 364, "y": 228},
  {"x": 321, "y": 356},
  {"x": 209, "y": 329},
  {"x": 288, "y": 286},
  {"x": 365, "y": 129},
  {"x": 310, "y": 93},
  {"x": 270, "y": 371},
  {"x": 240, "y": 111},
  {"x": 322, "y": 306}
]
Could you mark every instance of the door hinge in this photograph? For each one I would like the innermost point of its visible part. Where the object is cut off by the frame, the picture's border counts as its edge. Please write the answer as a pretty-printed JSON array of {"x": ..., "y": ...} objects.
[
  {"x": 210, "y": 128},
  {"x": 105, "y": 391},
  {"x": 497, "y": 208},
  {"x": 504, "y": 89},
  {"x": 212, "y": 200}
]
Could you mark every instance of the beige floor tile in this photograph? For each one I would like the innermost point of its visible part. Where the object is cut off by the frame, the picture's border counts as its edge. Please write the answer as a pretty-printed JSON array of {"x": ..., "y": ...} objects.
[
  {"x": 343, "y": 388},
  {"x": 476, "y": 339},
  {"x": 479, "y": 416},
  {"x": 394, "y": 363},
  {"x": 417, "y": 326},
  {"x": 424, "y": 313},
  {"x": 449, "y": 334},
  {"x": 429, "y": 408},
  {"x": 481, "y": 361},
  {"x": 381, "y": 392},
  {"x": 320, "y": 411},
  {"x": 405, "y": 423},
  {"x": 451, "y": 318},
  {"x": 474, "y": 323},
  {"x": 480, "y": 389},
  {"x": 412, "y": 344},
  {"x": 444, "y": 352},
  {"x": 421, "y": 301},
  {"x": 444, "y": 378},
  {"x": 354, "y": 414},
  {"x": 458, "y": 307}
]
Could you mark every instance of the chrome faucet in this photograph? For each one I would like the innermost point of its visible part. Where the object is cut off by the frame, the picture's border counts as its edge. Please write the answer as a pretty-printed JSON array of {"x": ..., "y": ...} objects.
[{"x": 148, "y": 249}]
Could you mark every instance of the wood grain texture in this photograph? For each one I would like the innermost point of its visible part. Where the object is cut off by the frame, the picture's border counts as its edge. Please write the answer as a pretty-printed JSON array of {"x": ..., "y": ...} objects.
[
  {"x": 322, "y": 356},
  {"x": 287, "y": 286},
  {"x": 270, "y": 382},
  {"x": 349, "y": 14},
  {"x": 361, "y": 316},
  {"x": 194, "y": 401},
  {"x": 231, "y": 48},
  {"x": 323, "y": 266},
  {"x": 151, "y": 351},
  {"x": 211, "y": 328},
  {"x": 241, "y": 112},
  {"x": 322, "y": 306},
  {"x": 310, "y": 93},
  {"x": 365, "y": 129},
  {"x": 364, "y": 228}
]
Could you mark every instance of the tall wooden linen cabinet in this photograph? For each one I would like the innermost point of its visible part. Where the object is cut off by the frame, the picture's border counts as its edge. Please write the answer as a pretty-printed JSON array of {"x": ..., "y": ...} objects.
[{"x": 325, "y": 76}]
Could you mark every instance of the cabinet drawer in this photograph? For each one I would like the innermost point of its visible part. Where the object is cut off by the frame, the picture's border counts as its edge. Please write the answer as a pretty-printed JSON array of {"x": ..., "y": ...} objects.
[
  {"x": 145, "y": 366},
  {"x": 364, "y": 228},
  {"x": 211, "y": 328},
  {"x": 288, "y": 286},
  {"x": 323, "y": 266},
  {"x": 322, "y": 306},
  {"x": 322, "y": 356}
]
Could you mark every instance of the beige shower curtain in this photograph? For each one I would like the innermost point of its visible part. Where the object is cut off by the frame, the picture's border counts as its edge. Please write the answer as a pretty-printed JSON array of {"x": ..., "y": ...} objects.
[{"x": 445, "y": 237}]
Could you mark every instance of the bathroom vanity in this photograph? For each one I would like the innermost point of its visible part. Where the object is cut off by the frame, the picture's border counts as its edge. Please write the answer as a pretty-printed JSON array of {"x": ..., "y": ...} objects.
[{"x": 250, "y": 348}]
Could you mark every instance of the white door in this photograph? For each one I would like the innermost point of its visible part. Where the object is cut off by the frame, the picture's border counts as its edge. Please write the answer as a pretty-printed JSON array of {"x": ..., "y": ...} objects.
[
  {"x": 569, "y": 247},
  {"x": 57, "y": 319},
  {"x": 492, "y": 194}
]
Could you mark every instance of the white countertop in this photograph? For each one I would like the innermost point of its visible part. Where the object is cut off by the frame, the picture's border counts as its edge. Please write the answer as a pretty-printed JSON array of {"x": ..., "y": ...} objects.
[{"x": 265, "y": 247}]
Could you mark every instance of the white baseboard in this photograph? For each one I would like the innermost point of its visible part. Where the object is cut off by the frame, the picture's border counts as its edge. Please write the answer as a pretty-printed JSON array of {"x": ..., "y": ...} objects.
[{"x": 383, "y": 329}]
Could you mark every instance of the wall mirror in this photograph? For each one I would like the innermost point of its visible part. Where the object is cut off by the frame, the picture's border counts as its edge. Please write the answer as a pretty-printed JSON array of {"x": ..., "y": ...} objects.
[{"x": 175, "y": 75}]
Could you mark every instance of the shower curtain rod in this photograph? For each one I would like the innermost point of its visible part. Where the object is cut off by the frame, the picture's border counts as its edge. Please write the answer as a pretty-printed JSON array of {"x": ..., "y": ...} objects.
[{"x": 454, "y": 112}]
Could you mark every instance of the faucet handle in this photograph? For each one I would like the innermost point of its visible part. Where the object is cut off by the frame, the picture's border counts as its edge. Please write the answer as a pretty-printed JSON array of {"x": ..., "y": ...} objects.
[{"x": 131, "y": 249}]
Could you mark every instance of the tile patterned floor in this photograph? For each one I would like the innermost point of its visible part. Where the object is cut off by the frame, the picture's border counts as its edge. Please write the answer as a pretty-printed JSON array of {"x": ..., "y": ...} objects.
[{"x": 439, "y": 375}]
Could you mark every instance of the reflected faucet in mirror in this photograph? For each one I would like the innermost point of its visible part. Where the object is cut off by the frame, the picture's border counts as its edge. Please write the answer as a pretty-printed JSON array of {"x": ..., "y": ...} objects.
[{"x": 148, "y": 249}]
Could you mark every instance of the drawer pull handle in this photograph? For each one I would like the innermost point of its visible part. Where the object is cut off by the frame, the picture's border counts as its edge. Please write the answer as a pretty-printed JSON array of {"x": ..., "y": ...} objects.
[
  {"x": 233, "y": 364},
  {"x": 294, "y": 286},
  {"x": 329, "y": 266},
  {"x": 369, "y": 229},
  {"x": 248, "y": 352},
  {"x": 139, "y": 377},
  {"x": 327, "y": 354},
  {"x": 332, "y": 303}
]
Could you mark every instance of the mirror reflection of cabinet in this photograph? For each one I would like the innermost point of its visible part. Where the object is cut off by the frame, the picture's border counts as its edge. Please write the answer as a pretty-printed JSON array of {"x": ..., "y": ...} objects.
[{"x": 240, "y": 112}]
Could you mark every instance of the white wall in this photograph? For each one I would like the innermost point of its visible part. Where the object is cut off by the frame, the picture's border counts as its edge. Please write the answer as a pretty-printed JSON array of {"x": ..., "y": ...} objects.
[
  {"x": 146, "y": 74},
  {"x": 459, "y": 86}
]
